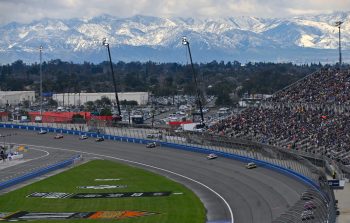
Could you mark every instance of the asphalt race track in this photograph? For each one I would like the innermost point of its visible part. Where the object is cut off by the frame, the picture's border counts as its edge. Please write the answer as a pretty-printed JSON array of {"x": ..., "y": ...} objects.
[{"x": 224, "y": 185}]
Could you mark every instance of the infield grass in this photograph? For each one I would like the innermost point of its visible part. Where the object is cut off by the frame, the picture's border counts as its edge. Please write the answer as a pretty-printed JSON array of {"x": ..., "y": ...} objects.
[{"x": 180, "y": 208}]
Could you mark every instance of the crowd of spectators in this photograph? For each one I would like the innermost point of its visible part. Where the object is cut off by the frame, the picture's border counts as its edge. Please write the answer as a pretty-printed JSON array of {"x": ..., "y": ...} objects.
[
  {"x": 290, "y": 121},
  {"x": 326, "y": 86}
]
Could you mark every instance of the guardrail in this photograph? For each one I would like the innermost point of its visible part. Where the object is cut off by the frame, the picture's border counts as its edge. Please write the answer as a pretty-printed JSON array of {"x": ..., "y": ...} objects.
[
  {"x": 38, "y": 172},
  {"x": 195, "y": 148}
]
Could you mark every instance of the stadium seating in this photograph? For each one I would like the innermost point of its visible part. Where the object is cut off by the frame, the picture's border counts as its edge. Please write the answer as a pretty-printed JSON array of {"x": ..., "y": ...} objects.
[{"x": 311, "y": 116}]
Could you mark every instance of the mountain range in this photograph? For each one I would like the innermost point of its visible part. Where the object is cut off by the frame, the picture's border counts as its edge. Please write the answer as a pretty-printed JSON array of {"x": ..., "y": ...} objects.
[{"x": 302, "y": 39}]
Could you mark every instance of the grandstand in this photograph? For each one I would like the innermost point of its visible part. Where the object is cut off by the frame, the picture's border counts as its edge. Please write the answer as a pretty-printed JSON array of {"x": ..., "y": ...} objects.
[{"x": 311, "y": 116}]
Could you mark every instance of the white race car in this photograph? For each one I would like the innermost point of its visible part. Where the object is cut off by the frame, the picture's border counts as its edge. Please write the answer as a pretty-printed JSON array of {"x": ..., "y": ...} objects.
[
  {"x": 82, "y": 137},
  {"x": 58, "y": 136},
  {"x": 307, "y": 215},
  {"x": 212, "y": 156},
  {"x": 42, "y": 131},
  {"x": 250, "y": 165}
]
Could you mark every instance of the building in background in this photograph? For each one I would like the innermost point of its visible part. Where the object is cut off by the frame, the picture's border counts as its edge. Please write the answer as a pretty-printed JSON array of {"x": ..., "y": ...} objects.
[
  {"x": 16, "y": 97},
  {"x": 77, "y": 99},
  {"x": 252, "y": 99}
]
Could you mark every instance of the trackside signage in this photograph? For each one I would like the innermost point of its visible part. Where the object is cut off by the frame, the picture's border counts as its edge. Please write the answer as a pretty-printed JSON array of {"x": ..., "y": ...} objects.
[
  {"x": 58, "y": 195},
  {"x": 51, "y": 195},
  {"x": 336, "y": 184},
  {"x": 102, "y": 187},
  {"x": 120, "y": 195},
  {"x": 30, "y": 216}
]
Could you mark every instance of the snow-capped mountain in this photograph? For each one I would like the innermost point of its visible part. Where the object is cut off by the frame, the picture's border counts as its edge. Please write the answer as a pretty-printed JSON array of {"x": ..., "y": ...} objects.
[{"x": 299, "y": 39}]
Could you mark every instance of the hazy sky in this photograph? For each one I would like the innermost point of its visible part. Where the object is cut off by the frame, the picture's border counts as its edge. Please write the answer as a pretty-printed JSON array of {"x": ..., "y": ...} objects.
[{"x": 28, "y": 10}]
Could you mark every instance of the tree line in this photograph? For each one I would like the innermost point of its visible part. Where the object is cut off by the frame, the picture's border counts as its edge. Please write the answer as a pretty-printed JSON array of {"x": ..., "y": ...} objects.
[{"x": 162, "y": 79}]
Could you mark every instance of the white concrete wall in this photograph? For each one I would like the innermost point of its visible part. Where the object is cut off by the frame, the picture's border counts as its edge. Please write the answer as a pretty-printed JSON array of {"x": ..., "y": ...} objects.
[
  {"x": 16, "y": 97},
  {"x": 81, "y": 98}
]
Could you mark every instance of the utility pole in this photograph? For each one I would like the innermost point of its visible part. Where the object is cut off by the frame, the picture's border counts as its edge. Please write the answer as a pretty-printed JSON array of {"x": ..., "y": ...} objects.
[
  {"x": 186, "y": 43},
  {"x": 104, "y": 42},
  {"x": 338, "y": 24}
]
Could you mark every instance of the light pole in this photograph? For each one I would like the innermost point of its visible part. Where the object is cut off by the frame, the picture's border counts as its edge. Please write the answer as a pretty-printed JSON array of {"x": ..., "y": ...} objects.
[
  {"x": 41, "y": 83},
  {"x": 104, "y": 42},
  {"x": 186, "y": 43},
  {"x": 338, "y": 24}
]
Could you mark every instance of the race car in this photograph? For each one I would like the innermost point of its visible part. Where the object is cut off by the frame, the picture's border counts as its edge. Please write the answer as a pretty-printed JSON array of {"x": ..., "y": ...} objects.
[
  {"x": 309, "y": 205},
  {"x": 250, "y": 165},
  {"x": 306, "y": 196},
  {"x": 82, "y": 137},
  {"x": 99, "y": 139},
  {"x": 58, "y": 136},
  {"x": 307, "y": 215},
  {"x": 151, "y": 145},
  {"x": 42, "y": 131},
  {"x": 212, "y": 156}
]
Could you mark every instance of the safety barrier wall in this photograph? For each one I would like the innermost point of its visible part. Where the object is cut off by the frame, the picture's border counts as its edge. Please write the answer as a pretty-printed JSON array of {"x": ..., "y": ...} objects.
[
  {"x": 37, "y": 173},
  {"x": 188, "y": 147}
]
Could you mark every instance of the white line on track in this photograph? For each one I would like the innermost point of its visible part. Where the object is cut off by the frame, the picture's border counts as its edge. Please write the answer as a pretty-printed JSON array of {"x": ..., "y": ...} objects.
[
  {"x": 47, "y": 154},
  {"x": 146, "y": 165}
]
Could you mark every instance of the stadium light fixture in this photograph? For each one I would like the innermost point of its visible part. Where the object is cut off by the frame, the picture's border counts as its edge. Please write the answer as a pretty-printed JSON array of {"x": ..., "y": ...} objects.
[
  {"x": 186, "y": 43},
  {"x": 184, "y": 40},
  {"x": 105, "y": 43}
]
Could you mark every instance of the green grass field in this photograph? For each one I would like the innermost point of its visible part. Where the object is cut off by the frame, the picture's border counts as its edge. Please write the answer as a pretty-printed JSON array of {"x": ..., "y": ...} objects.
[{"x": 180, "y": 208}]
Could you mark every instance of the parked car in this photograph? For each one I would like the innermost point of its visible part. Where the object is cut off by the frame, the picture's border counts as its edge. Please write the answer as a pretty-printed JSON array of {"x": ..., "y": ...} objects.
[
  {"x": 58, "y": 136},
  {"x": 154, "y": 135},
  {"x": 99, "y": 139},
  {"x": 151, "y": 145},
  {"x": 179, "y": 130},
  {"x": 212, "y": 156},
  {"x": 250, "y": 165}
]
